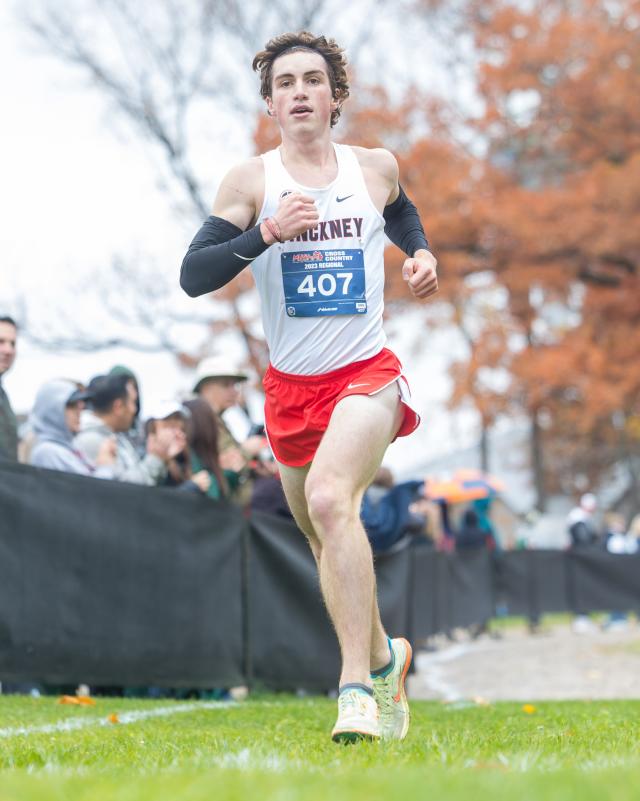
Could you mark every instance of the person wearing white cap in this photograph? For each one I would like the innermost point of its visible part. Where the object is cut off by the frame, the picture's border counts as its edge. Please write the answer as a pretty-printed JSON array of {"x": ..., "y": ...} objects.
[
  {"x": 217, "y": 379},
  {"x": 581, "y": 522},
  {"x": 171, "y": 416}
]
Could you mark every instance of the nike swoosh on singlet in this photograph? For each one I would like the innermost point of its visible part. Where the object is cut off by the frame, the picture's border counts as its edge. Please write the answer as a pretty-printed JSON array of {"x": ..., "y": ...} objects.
[
  {"x": 353, "y": 386},
  {"x": 340, "y": 199}
]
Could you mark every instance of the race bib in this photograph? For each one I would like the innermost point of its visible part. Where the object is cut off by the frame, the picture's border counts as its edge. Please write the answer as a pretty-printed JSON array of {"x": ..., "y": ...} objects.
[{"x": 318, "y": 283}]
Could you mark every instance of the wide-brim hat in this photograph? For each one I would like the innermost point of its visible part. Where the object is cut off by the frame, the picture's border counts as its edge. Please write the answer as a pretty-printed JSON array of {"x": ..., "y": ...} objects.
[{"x": 217, "y": 367}]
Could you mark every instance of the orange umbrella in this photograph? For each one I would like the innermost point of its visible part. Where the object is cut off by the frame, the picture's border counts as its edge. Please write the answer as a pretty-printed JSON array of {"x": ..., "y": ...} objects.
[{"x": 466, "y": 485}]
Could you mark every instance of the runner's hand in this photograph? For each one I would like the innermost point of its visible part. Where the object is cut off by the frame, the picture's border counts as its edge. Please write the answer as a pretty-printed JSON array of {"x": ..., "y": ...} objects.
[
  {"x": 420, "y": 273},
  {"x": 296, "y": 214}
]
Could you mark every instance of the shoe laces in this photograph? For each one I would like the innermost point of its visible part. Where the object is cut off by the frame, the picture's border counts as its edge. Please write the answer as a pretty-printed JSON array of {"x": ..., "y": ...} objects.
[
  {"x": 383, "y": 695},
  {"x": 353, "y": 700}
]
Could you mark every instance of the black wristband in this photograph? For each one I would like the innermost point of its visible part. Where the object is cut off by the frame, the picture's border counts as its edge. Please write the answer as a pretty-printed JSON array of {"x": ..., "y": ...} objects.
[
  {"x": 403, "y": 226},
  {"x": 219, "y": 251}
]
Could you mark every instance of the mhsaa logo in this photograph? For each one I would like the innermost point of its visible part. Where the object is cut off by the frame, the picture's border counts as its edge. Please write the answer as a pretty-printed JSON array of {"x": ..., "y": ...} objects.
[{"x": 291, "y": 311}]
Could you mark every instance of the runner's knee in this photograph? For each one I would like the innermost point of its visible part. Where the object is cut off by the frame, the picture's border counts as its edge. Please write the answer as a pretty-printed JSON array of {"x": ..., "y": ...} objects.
[{"x": 328, "y": 502}]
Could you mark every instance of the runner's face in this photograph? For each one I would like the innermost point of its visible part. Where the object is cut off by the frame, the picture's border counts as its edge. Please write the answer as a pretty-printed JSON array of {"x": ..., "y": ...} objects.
[
  {"x": 301, "y": 92},
  {"x": 7, "y": 346}
]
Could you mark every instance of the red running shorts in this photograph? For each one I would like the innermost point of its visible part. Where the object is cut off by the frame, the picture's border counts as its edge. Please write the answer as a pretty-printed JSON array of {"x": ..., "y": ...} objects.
[{"x": 298, "y": 407}]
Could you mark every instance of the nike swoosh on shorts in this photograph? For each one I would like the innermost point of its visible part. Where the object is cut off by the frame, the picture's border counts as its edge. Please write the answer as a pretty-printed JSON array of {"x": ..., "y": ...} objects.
[{"x": 353, "y": 386}]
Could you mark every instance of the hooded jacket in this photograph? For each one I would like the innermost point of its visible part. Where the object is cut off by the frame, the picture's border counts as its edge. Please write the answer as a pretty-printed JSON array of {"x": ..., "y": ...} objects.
[{"x": 54, "y": 440}]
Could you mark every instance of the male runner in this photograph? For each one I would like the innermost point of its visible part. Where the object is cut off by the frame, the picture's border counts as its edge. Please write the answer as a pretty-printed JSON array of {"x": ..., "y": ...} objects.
[{"x": 310, "y": 217}]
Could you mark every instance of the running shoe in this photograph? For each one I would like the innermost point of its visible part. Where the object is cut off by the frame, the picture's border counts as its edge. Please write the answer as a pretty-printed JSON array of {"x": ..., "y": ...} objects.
[
  {"x": 357, "y": 717},
  {"x": 390, "y": 695}
]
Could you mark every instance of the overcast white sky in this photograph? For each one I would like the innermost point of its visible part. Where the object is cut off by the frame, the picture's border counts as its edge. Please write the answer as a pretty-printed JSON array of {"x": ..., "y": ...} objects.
[{"x": 74, "y": 192}]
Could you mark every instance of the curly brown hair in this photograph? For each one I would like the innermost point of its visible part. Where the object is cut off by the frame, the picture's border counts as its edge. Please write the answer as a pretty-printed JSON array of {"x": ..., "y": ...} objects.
[{"x": 303, "y": 40}]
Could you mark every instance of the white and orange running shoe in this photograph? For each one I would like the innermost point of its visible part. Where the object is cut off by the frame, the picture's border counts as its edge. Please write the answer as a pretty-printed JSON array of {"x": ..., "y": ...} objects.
[
  {"x": 357, "y": 717},
  {"x": 389, "y": 693}
]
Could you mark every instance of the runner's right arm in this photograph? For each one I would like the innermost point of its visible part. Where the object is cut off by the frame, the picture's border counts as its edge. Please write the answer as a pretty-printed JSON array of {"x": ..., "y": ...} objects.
[{"x": 225, "y": 244}]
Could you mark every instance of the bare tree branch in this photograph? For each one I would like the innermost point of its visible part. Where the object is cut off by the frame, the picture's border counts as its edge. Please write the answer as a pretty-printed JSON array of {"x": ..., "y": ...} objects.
[{"x": 169, "y": 68}]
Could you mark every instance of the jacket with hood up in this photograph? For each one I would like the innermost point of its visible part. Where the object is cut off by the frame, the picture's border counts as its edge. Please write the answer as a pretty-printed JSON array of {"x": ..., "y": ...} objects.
[{"x": 54, "y": 447}]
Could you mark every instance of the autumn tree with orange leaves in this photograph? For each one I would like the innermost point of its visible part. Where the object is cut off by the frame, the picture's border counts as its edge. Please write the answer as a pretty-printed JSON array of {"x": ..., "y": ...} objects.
[
  {"x": 544, "y": 204},
  {"x": 545, "y": 207},
  {"x": 563, "y": 140},
  {"x": 530, "y": 194}
]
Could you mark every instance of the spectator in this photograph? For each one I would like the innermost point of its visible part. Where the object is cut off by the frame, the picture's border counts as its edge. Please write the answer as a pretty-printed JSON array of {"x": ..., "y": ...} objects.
[
  {"x": 581, "y": 523},
  {"x": 447, "y": 540},
  {"x": 475, "y": 534},
  {"x": 617, "y": 538},
  {"x": 202, "y": 436},
  {"x": 217, "y": 380},
  {"x": 172, "y": 416},
  {"x": 113, "y": 408},
  {"x": 482, "y": 508},
  {"x": 385, "y": 511},
  {"x": 471, "y": 534},
  {"x": 136, "y": 433},
  {"x": 268, "y": 496},
  {"x": 55, "y": 420},
  {"x": 431, "y": 513},
  {"x": 8, "y": 423},
  {"x": 634, "y": 530},
  {"x": 583, "y": 532}
]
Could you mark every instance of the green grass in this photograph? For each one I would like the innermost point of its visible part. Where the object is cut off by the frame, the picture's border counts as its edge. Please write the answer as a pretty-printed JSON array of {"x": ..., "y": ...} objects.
[
  {"x": 632, "y": 648},
  {"x": 278, "y": 748},
  {"x": 548, "y": 620}
]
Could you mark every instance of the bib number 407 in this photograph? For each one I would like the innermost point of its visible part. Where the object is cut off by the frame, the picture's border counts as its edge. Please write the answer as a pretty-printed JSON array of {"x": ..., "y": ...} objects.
[{"x": 326, "y": 284}]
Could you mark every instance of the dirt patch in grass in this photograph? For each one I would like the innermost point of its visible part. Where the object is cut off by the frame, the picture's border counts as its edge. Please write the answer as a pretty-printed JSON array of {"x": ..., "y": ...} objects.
[{"x": 553, "y": 664}]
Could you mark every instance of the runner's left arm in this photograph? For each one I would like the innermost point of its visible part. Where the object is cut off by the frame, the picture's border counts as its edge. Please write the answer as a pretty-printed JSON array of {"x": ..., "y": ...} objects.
[
  {"x": 403, "y": 226},
  {"x": 404, "y": 229}
]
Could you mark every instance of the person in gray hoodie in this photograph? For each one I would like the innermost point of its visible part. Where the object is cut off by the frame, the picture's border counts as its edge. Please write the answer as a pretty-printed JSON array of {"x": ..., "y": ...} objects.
[{"x": 55, "y": 420}]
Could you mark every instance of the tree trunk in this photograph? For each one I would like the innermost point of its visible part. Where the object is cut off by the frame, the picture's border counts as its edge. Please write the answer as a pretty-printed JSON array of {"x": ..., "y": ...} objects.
[
  {"x": 537, "y": 464},
  {"x": 484, "y": 447}
]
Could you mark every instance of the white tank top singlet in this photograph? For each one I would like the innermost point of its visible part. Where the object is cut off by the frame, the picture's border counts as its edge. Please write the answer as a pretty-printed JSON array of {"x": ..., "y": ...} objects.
[{"x": 322, "y": 292}]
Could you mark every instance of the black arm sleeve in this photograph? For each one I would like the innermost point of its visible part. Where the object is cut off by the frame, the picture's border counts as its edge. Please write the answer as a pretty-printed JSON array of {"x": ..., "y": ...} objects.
[
  {"x": 219, "y": 251},
  {"x": 402, "y": 225}
]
